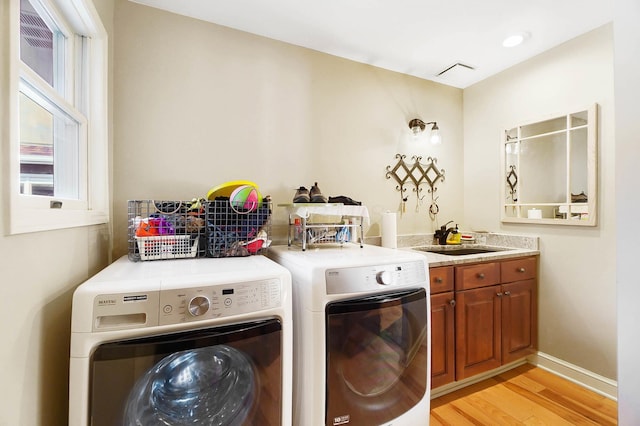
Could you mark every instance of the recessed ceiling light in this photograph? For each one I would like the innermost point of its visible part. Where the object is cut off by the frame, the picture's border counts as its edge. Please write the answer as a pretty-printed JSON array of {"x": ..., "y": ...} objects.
[{"x": 515, "y": 39}]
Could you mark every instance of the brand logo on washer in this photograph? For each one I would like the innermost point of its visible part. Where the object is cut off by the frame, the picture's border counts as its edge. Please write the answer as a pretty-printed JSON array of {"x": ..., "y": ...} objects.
[
  {"x": 135, "y": 298},
  {"x": 341, "y": 420},
  {"x": 104, "y": 302}
]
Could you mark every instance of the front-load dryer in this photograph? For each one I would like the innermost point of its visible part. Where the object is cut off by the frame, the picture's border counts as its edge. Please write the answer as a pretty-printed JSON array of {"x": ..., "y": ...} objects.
[
  {"x": 182, "y": 342},
  {"x": 361, "y": 335}
]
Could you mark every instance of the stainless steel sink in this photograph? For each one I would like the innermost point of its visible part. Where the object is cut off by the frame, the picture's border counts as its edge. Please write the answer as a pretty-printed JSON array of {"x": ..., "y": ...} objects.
[{"x": 458, "y": 251}]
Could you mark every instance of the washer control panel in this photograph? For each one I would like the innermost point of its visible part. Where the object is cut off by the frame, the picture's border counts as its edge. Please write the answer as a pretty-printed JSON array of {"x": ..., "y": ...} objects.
[
  {"x": 365, "y": 278},
  {"x": 217, "y": 301},
  {"x": 118, "y": 311}
]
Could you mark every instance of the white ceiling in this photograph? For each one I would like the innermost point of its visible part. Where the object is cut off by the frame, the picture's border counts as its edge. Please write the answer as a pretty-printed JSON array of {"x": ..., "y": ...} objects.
[{"x": 415, "y": 37}]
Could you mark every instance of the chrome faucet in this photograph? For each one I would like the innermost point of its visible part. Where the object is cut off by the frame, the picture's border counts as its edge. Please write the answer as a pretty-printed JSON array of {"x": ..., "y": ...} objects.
[{"x": 442, "y": 233}]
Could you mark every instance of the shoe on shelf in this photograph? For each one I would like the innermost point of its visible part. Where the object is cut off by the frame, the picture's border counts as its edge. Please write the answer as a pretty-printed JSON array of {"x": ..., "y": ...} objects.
[
  {"x": 316, "y": 195},
  {"x": 301, "y": 196},
  {"x": 343, "y": 199}
]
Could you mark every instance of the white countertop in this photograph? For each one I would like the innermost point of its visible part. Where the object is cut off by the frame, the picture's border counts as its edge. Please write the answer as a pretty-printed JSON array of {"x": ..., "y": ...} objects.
[{"x": 435, "y": 259}]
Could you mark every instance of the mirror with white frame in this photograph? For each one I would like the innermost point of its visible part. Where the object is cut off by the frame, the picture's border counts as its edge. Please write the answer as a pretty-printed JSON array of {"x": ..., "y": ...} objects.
[{"x": 550, "y": 170}]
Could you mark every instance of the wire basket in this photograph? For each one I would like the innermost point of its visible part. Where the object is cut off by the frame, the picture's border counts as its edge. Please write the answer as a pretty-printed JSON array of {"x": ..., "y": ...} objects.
[
  {"x": 167, "y": 247},
  {"x": 233, "y": 231},
  {"x": 160, "y": 230}
]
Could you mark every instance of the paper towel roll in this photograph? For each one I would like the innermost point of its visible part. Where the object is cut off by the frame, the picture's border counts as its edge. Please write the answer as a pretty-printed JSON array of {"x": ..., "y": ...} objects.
[{"x": 389, "y": 230}]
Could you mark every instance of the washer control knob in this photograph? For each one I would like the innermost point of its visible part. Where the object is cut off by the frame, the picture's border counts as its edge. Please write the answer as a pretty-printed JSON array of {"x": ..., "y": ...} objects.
[
  {"x": 199, "y": 305},
  {"x": 384, "y": 277}
]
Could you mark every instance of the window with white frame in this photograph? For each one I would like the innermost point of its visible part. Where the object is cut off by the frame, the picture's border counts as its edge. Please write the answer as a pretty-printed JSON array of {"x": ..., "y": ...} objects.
[{"x": 58, "y": 106}]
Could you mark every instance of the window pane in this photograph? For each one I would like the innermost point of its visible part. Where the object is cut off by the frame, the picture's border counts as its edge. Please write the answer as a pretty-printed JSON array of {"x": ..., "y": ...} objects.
[
  {"x": 49, "y": 151},
  {"x": 36, "y": 148},
  {"x": 37, "y": 43}
]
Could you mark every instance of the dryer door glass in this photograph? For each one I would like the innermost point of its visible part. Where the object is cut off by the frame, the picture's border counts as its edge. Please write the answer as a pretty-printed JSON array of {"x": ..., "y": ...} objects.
[
  {"x": 230, "y": 375},
  {"x": 377, "y": 357}
]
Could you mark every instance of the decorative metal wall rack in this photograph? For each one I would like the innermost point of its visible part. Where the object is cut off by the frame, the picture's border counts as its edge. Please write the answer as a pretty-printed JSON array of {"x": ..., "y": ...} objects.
[{"x": 416, "y": 173}]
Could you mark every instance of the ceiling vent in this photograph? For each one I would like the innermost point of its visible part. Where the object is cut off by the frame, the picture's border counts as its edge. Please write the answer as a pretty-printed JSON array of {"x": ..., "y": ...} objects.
[{"x": 456, "y": 70}]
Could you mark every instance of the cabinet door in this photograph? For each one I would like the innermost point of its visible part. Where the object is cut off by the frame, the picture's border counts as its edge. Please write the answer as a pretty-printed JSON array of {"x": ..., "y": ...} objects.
[
  {"x": 442, "y": 339},
  {"x": 478, "y": 330},
  {"x": 519, "y": 320}
]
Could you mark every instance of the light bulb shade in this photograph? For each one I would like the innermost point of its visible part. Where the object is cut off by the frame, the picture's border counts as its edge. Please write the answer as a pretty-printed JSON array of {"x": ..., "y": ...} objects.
[
  {"x": 414, "y": 141},
  {"x": 435, "y": 138}
]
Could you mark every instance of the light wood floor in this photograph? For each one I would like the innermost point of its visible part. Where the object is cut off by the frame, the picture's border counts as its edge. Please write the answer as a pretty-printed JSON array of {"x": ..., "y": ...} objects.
[{"x": 526, "y": 395}]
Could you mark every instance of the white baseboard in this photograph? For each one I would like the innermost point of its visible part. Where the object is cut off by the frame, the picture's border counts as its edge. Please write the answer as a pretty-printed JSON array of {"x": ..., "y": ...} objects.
[
  {"x": 454, "y": 386},
  {"x": 578, "y": 375}
]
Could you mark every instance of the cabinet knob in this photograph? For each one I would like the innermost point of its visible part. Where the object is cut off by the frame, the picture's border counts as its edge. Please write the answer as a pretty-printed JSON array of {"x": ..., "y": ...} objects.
[
  {"x": 507, "y": 293},
  {"x": 480, "y": 276},
  {"x": 452, "y": 302},
  {"x": 437, "y": 280},
  {"x": 499, "y": 294},
  {"x": 521, "y": 269}
]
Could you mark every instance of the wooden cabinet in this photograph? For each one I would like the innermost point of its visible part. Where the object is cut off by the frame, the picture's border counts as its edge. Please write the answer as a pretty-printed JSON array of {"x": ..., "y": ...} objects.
[
  {"x": 494, "y": 320},
  {"x": 496, "y": 314},
  {"x": 519, "y": 320},
  {"x": 442, "y": 326},
  {"x": 478, "y": 330}
]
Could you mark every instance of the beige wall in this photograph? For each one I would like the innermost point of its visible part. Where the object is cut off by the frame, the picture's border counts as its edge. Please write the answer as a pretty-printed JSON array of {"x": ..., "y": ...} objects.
[
  {"x": 38, "y": 273},
  {"x": 577, "y": 266},
  {"x": 197, "y": 104}
]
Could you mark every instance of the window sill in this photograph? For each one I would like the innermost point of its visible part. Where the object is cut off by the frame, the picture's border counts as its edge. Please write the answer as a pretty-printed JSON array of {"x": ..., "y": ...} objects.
[{"x": 37, "y": 220}]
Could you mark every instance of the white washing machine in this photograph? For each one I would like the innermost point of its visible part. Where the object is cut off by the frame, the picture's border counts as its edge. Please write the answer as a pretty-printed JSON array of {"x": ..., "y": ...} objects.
[
  {"x": 182, "y": 342},
  {"x": 361, "y": 335}
]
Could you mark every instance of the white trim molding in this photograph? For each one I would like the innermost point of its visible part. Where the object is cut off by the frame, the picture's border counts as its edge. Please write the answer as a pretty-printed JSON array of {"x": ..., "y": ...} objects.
[
  {"x": 92, "y": 206},
  {"x": 460, "y": 384},
  {"x": 578, "y": 375}
]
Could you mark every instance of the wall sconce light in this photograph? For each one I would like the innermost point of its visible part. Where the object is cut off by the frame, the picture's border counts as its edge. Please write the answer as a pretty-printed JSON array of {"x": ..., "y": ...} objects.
[{"x": 417, "y": 126}]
